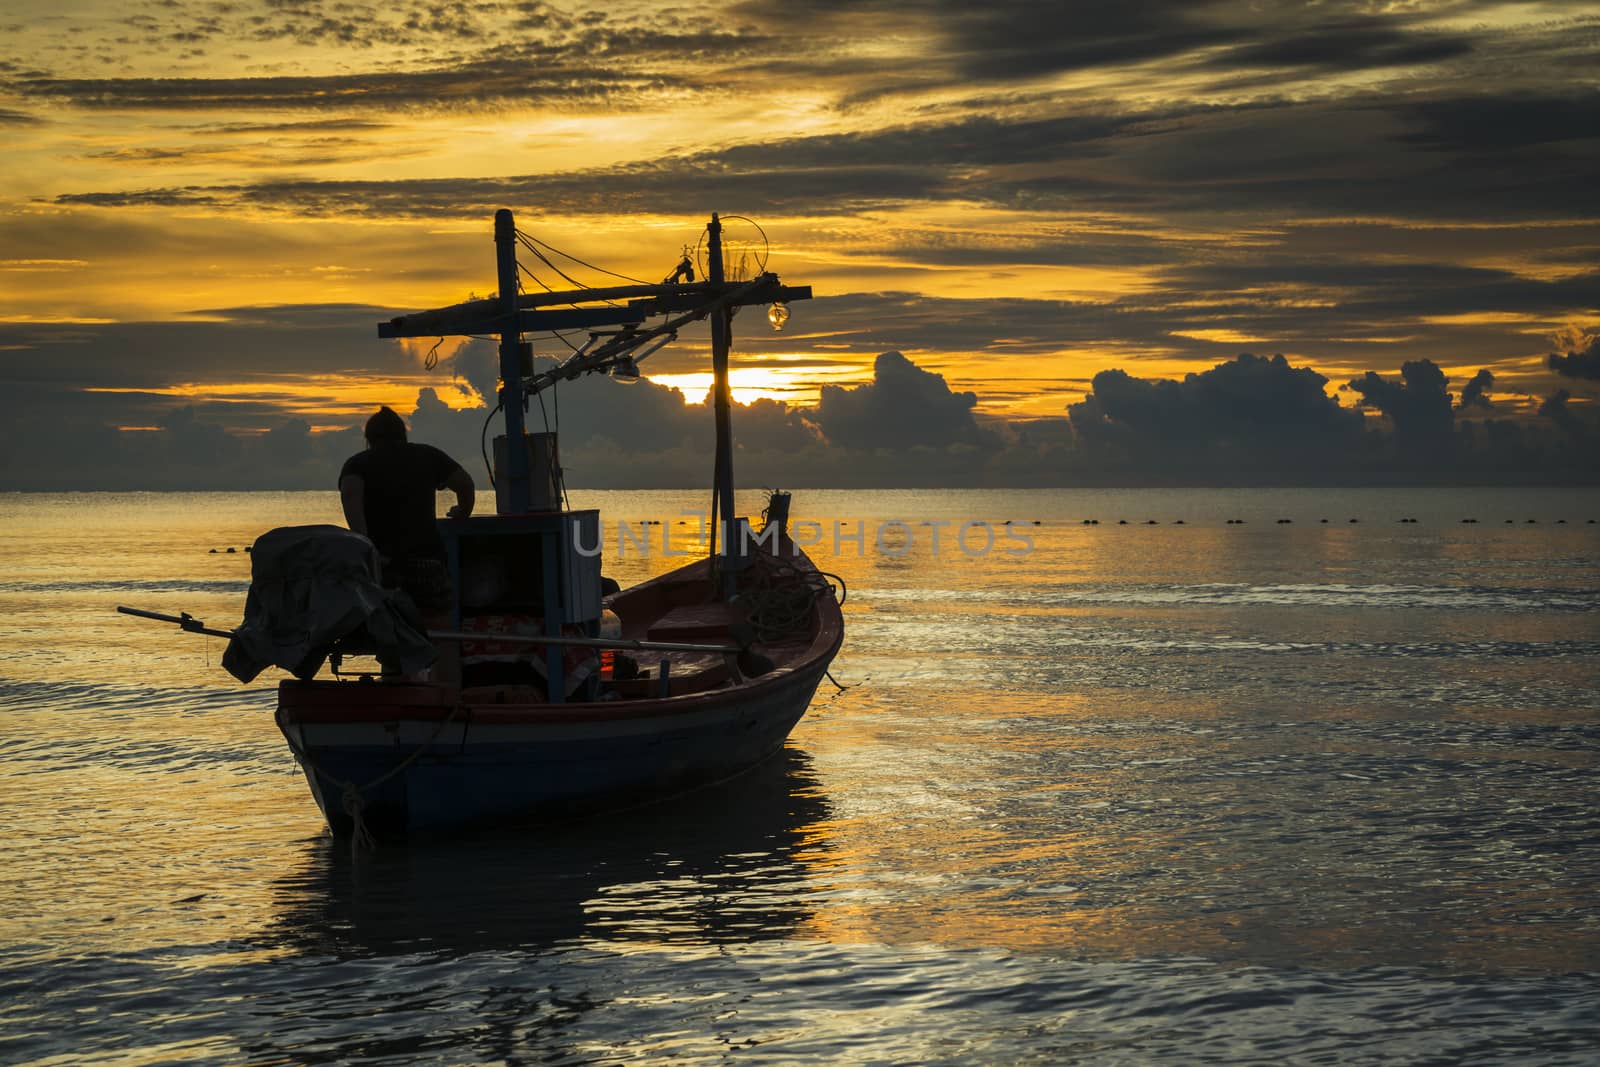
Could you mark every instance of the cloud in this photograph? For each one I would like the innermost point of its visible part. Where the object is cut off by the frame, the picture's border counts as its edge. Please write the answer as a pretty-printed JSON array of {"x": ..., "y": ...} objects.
[
  {"x": 1328, "y": 157},
  {"x": 1555, "y": 406},
  {"x": 1016, "y": 39},
  {"x": 1348, "y": 44},
  {"x": 471, "y": 84},
  {"x": 339, "y": 125},
  {"x": 627, "y": 189},
  {"x": 1486, "y": 123},
  {"x": 1253, "y": 413},
  {"x": 284, "y": 348},
  {"x": 1381, "y": 292},
  {"x": 588, "y": 62},
  {"x": 492, "y": 52},
  {"x": 1579, "y": 432},
  {"x": 1475, "y": 394},
  {"x": 288, "y": 445},
  {"x": 1250, "y": 420},
  {"x": 902, "y": 407},
  {"x": 616, "y": 435},
  {"x": 1418, "y": 406},
  {"x": 1277, "y": 159},
  {"x": 966, "y": 32},
  {"x": 1583, "y": 363},
  {"x": 54, "y": 442},
  {"x": 271, "y": 154},
  {"x": 1254, "y": 421},
  {"x": 823, "y": 173}
]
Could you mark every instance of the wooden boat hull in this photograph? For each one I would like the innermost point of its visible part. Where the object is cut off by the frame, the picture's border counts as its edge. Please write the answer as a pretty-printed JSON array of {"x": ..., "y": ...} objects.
[
  {"x": 441, "y": 767},
  {"x": 406, "y": 758}
]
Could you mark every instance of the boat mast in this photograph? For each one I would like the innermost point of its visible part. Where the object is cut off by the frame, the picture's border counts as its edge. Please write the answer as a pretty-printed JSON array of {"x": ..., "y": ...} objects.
[
  {"x": 722, "y": 476},
  {"x": 618, "y": 333},
  {"x": 517, "y": 498}
]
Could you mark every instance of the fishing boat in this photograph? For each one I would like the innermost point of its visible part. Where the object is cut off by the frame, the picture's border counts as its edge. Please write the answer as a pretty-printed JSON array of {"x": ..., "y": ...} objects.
[{"x": 545, "y": 692}]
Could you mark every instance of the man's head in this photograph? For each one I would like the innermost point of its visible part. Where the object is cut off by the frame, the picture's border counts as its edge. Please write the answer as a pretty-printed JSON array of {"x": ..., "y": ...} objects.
[{"x": 385, "y": 427}]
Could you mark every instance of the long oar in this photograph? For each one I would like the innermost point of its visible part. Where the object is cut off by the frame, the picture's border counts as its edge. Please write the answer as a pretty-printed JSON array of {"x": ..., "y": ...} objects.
[
  {"x": 192, "y": 625},
  {"x": 188, "y": 622}
]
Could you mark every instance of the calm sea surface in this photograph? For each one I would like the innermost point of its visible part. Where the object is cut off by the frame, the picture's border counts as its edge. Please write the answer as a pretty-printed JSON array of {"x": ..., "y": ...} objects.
[{"x": 1204, "y": 793}]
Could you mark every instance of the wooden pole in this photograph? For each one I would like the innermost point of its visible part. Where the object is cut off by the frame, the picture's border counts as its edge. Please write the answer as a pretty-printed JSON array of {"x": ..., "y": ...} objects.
[
  {"x": 516, "y": 500},
  {"x": 721, "y": 337},
  {"x": 187, "y": 622}
]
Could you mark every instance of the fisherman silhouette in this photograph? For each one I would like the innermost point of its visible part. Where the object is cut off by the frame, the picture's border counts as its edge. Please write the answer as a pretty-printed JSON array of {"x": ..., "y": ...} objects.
[{"x": 388, "y": 495}]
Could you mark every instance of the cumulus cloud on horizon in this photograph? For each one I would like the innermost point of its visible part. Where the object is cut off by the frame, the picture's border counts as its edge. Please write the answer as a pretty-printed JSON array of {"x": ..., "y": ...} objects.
[{"x": 1249, "y": 420}]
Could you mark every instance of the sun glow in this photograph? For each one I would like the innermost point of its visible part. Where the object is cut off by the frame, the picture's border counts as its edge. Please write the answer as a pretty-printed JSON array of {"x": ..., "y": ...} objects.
[
  {"x": 793, "y": 378},
  {"x": 747, "y": 384}
]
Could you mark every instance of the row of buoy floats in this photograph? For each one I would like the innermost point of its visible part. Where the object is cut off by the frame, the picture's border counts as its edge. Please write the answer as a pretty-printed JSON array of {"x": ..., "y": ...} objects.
[
  {"x": 1290, "y": 522},
  {"x": 230, "y": 550}
]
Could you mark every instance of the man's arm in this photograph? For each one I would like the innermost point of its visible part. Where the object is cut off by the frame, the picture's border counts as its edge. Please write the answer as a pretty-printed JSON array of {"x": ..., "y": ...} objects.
[
  {"x": 460, "y": 483},
  {"x": 352, "y": 494}
]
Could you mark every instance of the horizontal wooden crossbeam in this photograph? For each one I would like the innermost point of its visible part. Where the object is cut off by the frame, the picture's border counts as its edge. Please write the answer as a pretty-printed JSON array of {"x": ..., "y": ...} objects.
[
  {"x": 485, "y": 317},
  {"x": 536, "y": 315},
  {"x": 771, "y": 293}
]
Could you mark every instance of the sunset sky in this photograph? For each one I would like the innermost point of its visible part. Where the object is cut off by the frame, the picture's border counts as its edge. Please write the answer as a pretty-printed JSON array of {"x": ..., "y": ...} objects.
[{"x": 208, "y": 205}]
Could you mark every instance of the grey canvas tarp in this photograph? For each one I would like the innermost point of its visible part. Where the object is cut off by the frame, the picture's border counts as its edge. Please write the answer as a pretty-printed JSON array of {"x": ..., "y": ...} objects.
[{"x": 311, "y": 586}]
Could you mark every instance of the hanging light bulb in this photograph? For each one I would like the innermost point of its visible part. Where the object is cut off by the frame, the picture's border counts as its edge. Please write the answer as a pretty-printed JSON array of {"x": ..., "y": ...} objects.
[
  {"x": 778, "y": 314},
  {"x": 624, "y": 370}
]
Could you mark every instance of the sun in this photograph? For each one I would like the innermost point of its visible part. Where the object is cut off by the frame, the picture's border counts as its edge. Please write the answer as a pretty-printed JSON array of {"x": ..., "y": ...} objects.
[{"x": 747, "y": 384}]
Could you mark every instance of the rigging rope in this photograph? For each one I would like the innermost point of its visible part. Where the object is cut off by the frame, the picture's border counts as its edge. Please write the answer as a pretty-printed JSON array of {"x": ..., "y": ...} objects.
[
  {"x": 431, "y": 360},
  {"x": 483, "y": 441},
  {"x": 546, "y": 261},
  {"x": 526, "y": 238}
]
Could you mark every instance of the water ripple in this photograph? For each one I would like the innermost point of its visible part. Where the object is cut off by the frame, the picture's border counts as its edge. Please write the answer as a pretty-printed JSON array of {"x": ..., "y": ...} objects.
[
  {"x": 588, "y": 1005},
  {"x": 128, "y": 585},
  {"x": 1519, "y": 599}
]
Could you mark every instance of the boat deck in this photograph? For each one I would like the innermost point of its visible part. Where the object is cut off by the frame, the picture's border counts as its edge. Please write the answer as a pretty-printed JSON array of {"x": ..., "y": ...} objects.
[{"x": 776, "y": 621}]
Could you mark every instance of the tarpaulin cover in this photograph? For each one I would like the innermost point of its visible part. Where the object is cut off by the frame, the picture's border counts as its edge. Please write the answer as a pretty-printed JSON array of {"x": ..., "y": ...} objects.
[{"x": 313, "y": 586}]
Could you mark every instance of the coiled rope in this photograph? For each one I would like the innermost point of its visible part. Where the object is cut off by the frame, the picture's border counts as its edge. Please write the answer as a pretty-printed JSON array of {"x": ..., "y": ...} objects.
[{"x": 778, "y": 598}]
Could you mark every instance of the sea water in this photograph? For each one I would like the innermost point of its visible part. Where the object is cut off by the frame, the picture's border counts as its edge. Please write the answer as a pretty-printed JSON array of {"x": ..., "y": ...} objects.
[{"x": 1229, "y": 790}]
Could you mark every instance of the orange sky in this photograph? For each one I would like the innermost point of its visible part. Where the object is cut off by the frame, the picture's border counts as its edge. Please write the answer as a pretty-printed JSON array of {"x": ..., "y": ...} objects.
[{"x": 1156, "y": 187}]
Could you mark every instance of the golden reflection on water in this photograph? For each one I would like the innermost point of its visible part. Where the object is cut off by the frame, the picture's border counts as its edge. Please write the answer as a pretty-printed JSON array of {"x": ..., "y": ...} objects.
[
  {"x": 724, "y": 866},
  {"x": 1129, "y": 741}
]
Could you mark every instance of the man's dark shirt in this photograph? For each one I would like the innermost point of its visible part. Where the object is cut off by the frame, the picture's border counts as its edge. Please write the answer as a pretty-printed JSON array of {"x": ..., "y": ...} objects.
[{"x": 399, "y": 480}]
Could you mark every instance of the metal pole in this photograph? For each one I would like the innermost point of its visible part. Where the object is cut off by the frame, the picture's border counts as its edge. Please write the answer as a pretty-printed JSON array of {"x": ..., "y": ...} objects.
[
  {"x": 721, "y": 329},
  {"x": 626, "y": 643},
  {"x": 516, "y": 499}
]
